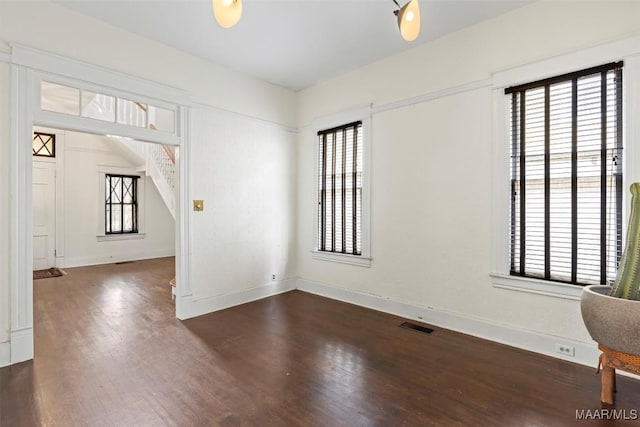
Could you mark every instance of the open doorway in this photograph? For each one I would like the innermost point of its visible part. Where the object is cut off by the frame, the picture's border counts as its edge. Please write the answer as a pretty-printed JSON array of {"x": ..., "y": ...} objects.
[
  {"x": 99, "y": 199},
  {"x": 82, "y": 83}
]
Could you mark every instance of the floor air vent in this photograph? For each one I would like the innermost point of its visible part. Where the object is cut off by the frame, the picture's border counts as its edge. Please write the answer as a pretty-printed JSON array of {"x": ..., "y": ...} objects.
[
  {"x": 419, "y": 328},
  {"x": 123, "y": 262}
]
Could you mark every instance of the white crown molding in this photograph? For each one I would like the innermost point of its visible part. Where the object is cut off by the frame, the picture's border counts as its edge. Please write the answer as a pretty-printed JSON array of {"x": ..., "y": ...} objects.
[
  {"x": 67, "y": 68},
  {"x": 577, "y": 60},
  {"x": 71, "y": 68},
  {"x": 373, "y": 109},
  {"x": 432, "y": 96},
  {"x": 340, "y": 118},
  {"x": 259, "y": 120}
]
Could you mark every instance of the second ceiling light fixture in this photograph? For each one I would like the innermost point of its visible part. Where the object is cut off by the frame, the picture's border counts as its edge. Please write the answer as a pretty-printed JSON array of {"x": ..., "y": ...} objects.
[{"x": 228, "y": 12}]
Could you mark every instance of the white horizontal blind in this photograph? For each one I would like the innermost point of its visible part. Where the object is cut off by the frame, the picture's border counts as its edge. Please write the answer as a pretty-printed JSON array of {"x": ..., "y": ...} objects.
[
  {"x": 340, "y": 189},
  {"x": 566, "y": 176}
]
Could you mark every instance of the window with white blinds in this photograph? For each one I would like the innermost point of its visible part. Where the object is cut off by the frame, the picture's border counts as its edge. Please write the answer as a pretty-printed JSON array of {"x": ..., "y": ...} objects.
[
  {"x": 566, "y": 176},
  {"x": 340, "y": 189}
]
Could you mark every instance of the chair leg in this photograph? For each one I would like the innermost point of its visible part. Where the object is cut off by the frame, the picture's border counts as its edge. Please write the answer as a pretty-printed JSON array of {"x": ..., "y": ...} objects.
[{"x": 608, "y": 380}]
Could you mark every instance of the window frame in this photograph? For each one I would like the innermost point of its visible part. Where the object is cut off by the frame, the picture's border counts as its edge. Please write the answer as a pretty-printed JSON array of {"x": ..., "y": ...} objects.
[
  {"x": 52, "y": 138},
  {"x": 517, "y": 95},
  {"x": 329, "y": 122},
  {"x": 101, "y": 235},
  {"x": 134, "y": 204},
  {"x": 626, "y": 50}
]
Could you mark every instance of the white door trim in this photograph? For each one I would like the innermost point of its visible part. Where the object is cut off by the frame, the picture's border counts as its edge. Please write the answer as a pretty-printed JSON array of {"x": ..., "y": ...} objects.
[
  {"x": 20, "y": 245},
  {"x": 25, "y": 102},
  {"x": 48, "y": 167},
  {"x": 60, "y": 203}
]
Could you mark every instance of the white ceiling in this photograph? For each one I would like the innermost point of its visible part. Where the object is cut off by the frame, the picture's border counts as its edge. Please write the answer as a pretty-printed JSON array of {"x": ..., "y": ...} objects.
[{"x": 291, "y": 43}]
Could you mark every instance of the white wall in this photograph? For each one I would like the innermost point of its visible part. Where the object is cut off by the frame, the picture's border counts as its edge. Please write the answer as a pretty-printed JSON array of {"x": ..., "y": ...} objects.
[
  {"x": 85, "y": 157},
  {"x": 246, "y": 232},
  {"x": 431, "y": 171},
  {"x": 250, "y": 118}
]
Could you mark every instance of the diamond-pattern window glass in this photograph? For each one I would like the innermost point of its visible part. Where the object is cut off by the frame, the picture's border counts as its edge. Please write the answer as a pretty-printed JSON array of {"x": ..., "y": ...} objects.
[
  {"x": 44, "y": 144},
  {"x": 127, "y": 191},
  {"x": 121, "y": 204},
  {"x": 116, "y": 189}
]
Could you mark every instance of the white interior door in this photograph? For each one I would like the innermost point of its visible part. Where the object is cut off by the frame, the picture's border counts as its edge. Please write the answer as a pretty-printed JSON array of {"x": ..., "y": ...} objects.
[{"x": 44, "y": 215}]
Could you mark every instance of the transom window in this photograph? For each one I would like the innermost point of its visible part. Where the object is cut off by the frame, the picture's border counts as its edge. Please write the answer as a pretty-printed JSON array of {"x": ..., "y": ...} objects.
[
  {"x": 44, "y": 144},
  {"x": 340, "y": 189},
  {"x": 566, "y": 176},
  {"x": 121, "y": 204},
  {"x": 91, "y": 104}
]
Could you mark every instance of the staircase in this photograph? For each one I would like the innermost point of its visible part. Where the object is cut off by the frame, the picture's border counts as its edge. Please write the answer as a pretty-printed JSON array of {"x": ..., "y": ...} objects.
[
  {"x": 161, "y": 168},
  {"x": 158, "y": 161}
]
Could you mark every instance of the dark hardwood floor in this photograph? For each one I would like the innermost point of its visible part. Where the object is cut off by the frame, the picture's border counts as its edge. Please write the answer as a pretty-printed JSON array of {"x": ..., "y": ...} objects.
[{"x": 109, "y": 352}]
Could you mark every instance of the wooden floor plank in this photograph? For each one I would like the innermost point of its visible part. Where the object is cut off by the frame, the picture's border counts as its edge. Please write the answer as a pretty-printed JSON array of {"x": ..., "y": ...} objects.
[{"x": 109, "y": 351}]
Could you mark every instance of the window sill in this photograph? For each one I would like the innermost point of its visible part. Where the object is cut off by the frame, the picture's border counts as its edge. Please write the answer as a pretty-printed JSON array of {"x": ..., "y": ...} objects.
[
  {"x": 116, "y": 237},
  {"x": 536, "y": 286},
  {"x": 359, "y": 260}
]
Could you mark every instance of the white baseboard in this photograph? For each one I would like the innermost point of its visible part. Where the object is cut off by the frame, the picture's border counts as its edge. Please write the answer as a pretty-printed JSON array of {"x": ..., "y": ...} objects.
[
  {"x": 71, "y": 262},
  {"x": 20, "y": 348},
  {"x": 585, "y": 353},
  {"x": 21, "y": 345},
  {"x": 5, "y": 354},
  {"x": 193, "y": 308}
]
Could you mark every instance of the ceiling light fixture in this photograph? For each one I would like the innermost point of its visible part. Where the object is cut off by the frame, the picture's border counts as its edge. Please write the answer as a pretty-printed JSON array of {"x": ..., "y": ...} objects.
[
  {"x": 408, "y": 20},
  {"x": 227, "y": 12}
]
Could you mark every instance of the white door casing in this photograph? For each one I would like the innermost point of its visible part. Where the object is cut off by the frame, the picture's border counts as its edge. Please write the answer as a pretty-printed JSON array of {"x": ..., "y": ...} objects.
[
  {"x": 44, "y": 215},
  {"x": 28, "y": 67}
]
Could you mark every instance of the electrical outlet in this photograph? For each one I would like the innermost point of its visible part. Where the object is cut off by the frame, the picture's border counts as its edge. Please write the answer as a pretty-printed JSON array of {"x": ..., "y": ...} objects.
[
  {"x": 273, "y": 277},
  {"x": 567, "y": 350}
]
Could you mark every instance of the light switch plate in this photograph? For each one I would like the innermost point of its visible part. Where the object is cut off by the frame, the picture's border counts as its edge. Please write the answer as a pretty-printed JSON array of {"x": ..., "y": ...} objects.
[{"x": 198, "y": 205}]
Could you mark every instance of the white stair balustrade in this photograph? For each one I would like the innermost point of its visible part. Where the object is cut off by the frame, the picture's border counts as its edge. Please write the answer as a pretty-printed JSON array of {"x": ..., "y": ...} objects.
[{"x": 161, "y": 168}]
